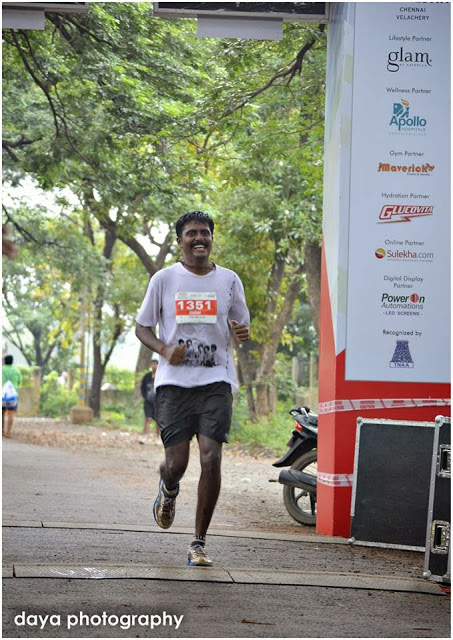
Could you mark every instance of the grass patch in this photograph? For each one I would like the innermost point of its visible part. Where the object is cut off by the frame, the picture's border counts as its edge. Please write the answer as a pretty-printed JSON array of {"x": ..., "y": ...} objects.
[
  {"x": 270, "y": 433},
  {"x": 128, "y": 418}
]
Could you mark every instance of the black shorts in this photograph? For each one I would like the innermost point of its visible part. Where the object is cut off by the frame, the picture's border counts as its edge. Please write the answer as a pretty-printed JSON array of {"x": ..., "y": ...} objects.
[
  {"x": 7, "y": 409},
  {"x": 150, "y": 409},
  {"x": 182, "y": 412}
]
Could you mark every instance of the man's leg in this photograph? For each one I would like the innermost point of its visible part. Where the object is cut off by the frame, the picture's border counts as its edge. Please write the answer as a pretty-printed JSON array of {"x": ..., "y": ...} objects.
[
  {"x": 146, "y": 426},
  {"x": 156, "y": 430},
  {"x": 171, "y": 471},
  {"x": 208, "y": 492},
  {"x": 10, "y": 415},
  {"x": 209, "y": 483},
  {"x": 175, "y": 464}
]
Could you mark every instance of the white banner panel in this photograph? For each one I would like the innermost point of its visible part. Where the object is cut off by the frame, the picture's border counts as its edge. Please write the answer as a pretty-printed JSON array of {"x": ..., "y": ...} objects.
[{"x": 398, "y": 303}]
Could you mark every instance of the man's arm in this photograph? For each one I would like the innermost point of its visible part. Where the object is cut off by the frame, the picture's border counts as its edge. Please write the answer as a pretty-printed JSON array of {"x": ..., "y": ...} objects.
[{"x": 173, "y": 353}]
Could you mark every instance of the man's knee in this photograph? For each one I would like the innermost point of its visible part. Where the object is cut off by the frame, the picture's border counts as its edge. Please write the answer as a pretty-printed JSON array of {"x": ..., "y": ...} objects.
[
  {"x": 211, "y": 459},
  {"x": 176, "y": 460}
]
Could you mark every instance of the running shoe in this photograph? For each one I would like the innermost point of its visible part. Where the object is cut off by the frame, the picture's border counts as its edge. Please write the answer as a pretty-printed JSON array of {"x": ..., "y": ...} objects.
[
  {"x": 197, "y": 556},
  {"x": 164, "y": 506}
]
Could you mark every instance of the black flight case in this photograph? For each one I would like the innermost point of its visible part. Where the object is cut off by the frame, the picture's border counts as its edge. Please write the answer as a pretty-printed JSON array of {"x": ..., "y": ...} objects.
[{"x": 437, "y": 550}]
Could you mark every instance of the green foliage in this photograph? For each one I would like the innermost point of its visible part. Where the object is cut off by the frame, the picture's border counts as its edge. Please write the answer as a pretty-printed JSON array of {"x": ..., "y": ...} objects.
[
  {"x": 142, "y": 121},
  {"x": 56, "y": 400},
  {"x": 270, "y": 434},
  {"x": 126, "y": 418},
  {"x": 286, "y": 389},
  {"x": 122, "y": 379},
  {"x": 27, "y": 375}
]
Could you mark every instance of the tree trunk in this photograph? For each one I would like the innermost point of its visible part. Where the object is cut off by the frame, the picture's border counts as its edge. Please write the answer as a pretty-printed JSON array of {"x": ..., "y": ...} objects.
[
  {"x": 264, "y": 379},
  {"x": 96, "y": 381},
  {"x": 246, "y": 365},
  {"x": 98, "y": 365},
  {"x": 313, "y": 272}
]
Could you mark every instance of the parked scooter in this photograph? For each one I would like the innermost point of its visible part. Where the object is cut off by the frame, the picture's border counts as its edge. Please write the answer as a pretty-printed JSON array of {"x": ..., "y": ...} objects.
[{"x": 299, "y": 481}]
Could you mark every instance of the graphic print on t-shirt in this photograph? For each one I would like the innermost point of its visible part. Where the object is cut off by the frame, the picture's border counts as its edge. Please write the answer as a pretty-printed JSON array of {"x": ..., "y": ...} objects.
[
  {"x": 196, "y": 306},
  {"x": 199, "y": 354}
]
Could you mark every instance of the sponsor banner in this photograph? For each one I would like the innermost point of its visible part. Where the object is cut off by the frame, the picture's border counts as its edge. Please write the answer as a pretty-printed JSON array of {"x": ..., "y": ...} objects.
[
  {"x": 398, "y": 271},
  {"x": 335, "y": 479},
  {"x": 363, "y": 404}
]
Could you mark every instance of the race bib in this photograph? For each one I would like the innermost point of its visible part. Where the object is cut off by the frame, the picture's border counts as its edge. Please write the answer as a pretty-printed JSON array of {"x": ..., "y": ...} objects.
[{"x": 200, "y": 306}]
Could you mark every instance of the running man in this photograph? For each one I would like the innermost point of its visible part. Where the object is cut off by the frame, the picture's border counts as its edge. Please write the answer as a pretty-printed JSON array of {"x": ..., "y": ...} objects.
[{"x": 193, "y": 299}]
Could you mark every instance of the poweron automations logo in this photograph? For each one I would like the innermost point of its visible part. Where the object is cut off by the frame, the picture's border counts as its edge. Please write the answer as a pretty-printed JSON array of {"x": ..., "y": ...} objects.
[
  {"x": 411, "y": 301},
  {"x": 405, "y": 122},
  {"x": 403, "y": 212},
  {"x": 404, "y": 58},
  {"x": 409, "y": 169}
]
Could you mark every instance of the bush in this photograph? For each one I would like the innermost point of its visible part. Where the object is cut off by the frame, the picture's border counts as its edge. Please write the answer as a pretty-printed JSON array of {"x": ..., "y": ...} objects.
[
  {"x": 271, "y": 433},
  {"x": 56, "y": 401},
  {"x": 129, "y": 418},
  {"x": 122, "y": 379},
  {"x": 27, "y": 375}
]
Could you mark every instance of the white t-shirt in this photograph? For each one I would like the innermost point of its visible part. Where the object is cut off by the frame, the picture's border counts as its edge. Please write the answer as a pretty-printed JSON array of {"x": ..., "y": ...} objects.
[{"x": 195, "y": 310}]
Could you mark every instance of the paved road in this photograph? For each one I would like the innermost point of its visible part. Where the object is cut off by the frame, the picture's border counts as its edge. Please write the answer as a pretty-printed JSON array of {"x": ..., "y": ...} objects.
[{"x": 80, "y": 547}]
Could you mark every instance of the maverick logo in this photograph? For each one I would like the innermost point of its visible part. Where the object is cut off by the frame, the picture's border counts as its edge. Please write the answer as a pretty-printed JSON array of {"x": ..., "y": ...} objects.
[
  {"x": 403, "y": 212},
  {"x": 411, "y": 169},
  {"x": 403, "y": 121},
  {"x": 402, "y": 57}
]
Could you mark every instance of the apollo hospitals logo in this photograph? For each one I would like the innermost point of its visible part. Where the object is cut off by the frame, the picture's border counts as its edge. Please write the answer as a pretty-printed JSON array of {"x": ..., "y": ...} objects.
[
  {"x": 403, "y": 120},
  {"x": 403, "y": 212}
]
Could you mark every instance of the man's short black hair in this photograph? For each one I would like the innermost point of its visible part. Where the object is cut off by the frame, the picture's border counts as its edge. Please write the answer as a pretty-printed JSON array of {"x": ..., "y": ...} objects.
[
  {"x": 8, "y": 359},
  {"x": 198, "y": 216}
]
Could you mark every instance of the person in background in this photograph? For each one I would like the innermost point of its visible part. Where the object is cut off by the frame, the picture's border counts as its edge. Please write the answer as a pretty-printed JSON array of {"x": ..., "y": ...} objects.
[
  {"x": 12, "y": 374},
  {"x": 149, "y": 404}
]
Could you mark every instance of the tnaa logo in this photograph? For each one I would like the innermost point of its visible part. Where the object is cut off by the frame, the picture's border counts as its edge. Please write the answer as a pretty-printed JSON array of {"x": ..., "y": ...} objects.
[
  {"x": 402, "y": 119},
  {"x": 402, "y": 358},
  {"x": 403, "y": 212},
  {"x": 404, "y": 58}
]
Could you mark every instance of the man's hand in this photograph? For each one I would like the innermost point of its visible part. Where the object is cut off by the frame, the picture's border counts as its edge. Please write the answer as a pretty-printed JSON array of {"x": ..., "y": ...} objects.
[
  {"x": 241, "y": 331},
  {"x": 175, "y": 353}
]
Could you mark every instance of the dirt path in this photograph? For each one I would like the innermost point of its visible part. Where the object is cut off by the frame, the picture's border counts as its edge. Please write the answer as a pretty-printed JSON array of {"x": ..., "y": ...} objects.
[{"x": 247, "y": 501}]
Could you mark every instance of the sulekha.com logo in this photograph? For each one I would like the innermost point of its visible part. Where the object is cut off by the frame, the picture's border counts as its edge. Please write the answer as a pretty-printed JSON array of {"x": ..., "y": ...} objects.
[{"x": 405, "y": 255}]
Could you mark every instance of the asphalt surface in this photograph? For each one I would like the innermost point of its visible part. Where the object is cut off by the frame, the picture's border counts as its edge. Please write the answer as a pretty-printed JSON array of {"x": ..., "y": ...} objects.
[{"x": 83, "y": 558}]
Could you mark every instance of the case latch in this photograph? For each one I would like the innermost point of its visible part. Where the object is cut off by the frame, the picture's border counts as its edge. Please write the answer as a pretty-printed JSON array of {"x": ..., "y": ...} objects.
[
  {"x": 440, "y": 536},
  {"x": 444, "y": 461}
]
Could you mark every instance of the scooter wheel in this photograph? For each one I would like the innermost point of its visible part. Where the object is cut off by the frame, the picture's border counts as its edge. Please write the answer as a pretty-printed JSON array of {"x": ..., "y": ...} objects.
[{"x": 299, "y": 503}]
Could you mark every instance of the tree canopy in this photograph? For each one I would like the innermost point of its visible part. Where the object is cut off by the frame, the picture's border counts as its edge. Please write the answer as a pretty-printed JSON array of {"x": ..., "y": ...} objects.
[{"x": 143, "y": 121}]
